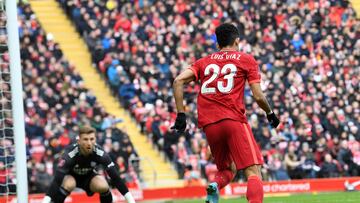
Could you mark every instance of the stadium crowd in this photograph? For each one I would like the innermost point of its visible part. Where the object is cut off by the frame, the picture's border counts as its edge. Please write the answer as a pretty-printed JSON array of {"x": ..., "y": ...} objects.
[
  {"x": 308, "y": 53},
  {"x": 56, "y": 103}
]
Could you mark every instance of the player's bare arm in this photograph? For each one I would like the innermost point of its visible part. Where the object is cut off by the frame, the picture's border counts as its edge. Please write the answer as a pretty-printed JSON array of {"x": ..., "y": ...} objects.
[
  {"x": 184, "y": 78},
  {"x": 260, "y": 97},
  {"x": 178, "y": 86},
  {"x": 264, "y": 104}
]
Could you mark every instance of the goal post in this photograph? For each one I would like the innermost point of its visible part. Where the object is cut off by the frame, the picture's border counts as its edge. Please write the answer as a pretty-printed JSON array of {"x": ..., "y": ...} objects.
[{"x": 17, "y": 100}]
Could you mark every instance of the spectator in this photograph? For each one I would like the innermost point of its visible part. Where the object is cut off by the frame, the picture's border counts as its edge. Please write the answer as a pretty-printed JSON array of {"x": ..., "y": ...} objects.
[
  {"x": 345, "y": 158},
  {"x": 309, "y": 167},
  {"x": 42, "y": 179},
  {"x": 329, "y": 168},
  {"x": 293, "y": 163},
  {"x": 277, "y": 168}
]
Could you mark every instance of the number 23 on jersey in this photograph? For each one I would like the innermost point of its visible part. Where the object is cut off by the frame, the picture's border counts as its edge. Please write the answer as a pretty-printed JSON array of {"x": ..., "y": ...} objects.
[{"x": 228, "y": 70}]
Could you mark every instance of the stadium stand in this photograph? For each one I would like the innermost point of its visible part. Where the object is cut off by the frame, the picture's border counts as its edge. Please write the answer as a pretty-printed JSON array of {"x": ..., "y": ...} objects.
[
  {"x": 56, "y": 103},
  {"x": 309, "y": 59},
  {"x": 308, "y": 53},
  {"x": 76, "y": 51},
  {"x": 356, "y": 5}
]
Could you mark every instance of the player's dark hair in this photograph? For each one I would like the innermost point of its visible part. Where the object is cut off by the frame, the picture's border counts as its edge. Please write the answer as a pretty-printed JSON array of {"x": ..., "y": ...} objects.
[
  {"x": 226, "y": 34},
  {"x": 86, "y": 130}
]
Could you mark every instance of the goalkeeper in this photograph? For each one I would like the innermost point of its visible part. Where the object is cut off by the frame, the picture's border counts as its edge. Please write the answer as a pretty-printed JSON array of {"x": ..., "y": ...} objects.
[{"x": 78, "y": 168}]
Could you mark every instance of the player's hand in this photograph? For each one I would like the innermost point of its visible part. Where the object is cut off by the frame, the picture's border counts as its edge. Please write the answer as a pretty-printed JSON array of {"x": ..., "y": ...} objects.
[
  {"x": 273, "y": 120},
  {"x": 180, "y": 123}
]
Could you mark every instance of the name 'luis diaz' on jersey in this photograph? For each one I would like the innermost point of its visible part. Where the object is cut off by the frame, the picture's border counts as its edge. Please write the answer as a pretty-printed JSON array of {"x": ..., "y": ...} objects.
[{"x": 225, "y": 55}]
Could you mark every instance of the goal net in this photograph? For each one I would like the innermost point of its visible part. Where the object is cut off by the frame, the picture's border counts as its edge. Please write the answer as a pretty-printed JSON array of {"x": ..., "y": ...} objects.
[{"x": 7, "y": 147}]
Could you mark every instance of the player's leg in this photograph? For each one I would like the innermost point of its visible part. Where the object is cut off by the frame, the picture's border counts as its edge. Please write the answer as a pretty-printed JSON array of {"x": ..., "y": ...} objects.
[
  {"x": 255, "y": 191},
  {"x": 222, "y": 177},
  {"x": 58, "y": 194},
  {"x": 217, "y": 140},
  {"x": 246, "y": 155},
  {"x": 98, "y": 184}
]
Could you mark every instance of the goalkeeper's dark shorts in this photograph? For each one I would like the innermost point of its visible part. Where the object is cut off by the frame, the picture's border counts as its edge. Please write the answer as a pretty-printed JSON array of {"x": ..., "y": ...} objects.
[{"x": 83, "y": 182}]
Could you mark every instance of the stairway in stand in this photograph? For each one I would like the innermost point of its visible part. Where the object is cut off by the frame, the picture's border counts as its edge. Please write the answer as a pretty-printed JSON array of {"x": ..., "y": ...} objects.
[
  {"x": 356, "y": 6},
  {"x": 53, "y": 20}
]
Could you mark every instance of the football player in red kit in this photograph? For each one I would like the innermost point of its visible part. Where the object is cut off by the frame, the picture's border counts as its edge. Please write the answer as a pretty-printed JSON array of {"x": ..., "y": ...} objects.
[{"x": 221, "y": 111}]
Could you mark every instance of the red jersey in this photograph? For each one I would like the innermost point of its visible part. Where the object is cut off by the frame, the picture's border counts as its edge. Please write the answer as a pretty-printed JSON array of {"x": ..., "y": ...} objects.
[{"x": 223, "y": 76}]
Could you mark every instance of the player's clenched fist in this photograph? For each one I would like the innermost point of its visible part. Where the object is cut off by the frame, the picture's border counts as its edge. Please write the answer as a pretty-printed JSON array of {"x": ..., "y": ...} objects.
[
  {"x": 273, "y": 120},
  {"x": 180, "y": 123}
]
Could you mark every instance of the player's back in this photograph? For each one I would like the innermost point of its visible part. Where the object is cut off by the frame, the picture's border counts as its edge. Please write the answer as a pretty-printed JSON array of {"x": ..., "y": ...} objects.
[{"x": 223, "y": 76}]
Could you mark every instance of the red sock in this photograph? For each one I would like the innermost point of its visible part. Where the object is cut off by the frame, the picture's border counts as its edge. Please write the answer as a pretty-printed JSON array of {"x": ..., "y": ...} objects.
[
  {"x": 222, "y": 178},
  {"x": 255, "y": 191}
]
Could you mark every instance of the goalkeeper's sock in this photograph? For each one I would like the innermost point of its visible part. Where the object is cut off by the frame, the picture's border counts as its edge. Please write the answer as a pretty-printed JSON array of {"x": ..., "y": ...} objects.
[
  {"x": 61, "y": 195},
  {"x": 255, "y": 191},
  {"x": 106, "y": 197},
  {"x": 222, "y": 178}
]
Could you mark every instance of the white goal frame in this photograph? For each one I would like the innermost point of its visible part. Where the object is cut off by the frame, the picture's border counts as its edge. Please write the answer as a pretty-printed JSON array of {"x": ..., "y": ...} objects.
[{"x": 17, "y": 101}]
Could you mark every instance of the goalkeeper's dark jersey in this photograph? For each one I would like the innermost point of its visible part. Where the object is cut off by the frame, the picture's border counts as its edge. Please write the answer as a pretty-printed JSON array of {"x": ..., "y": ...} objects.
[{"x": 74, "y": 163}]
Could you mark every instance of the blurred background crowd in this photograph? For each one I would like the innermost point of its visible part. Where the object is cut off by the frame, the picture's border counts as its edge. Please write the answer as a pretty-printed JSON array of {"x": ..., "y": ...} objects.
[
  {"x": 308, "y": 53},
  {"x": 56, "y": 104}
]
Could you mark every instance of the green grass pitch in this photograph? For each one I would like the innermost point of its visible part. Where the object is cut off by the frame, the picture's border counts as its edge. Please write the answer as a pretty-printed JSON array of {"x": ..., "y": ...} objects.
[{"x": 336, "y": 197}]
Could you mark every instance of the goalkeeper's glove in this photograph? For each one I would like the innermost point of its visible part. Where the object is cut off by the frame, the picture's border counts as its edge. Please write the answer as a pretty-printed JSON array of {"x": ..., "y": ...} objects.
[
  {"x": 46, "y": 199},
  {"x": 273, "y": 120},
  {"x": 129, "y": 198},
  {"x": 180, "y": 123}
]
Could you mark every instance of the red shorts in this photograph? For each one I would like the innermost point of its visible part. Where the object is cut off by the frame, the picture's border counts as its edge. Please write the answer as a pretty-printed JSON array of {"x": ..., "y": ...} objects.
[{"x": 232, "y": 141}]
